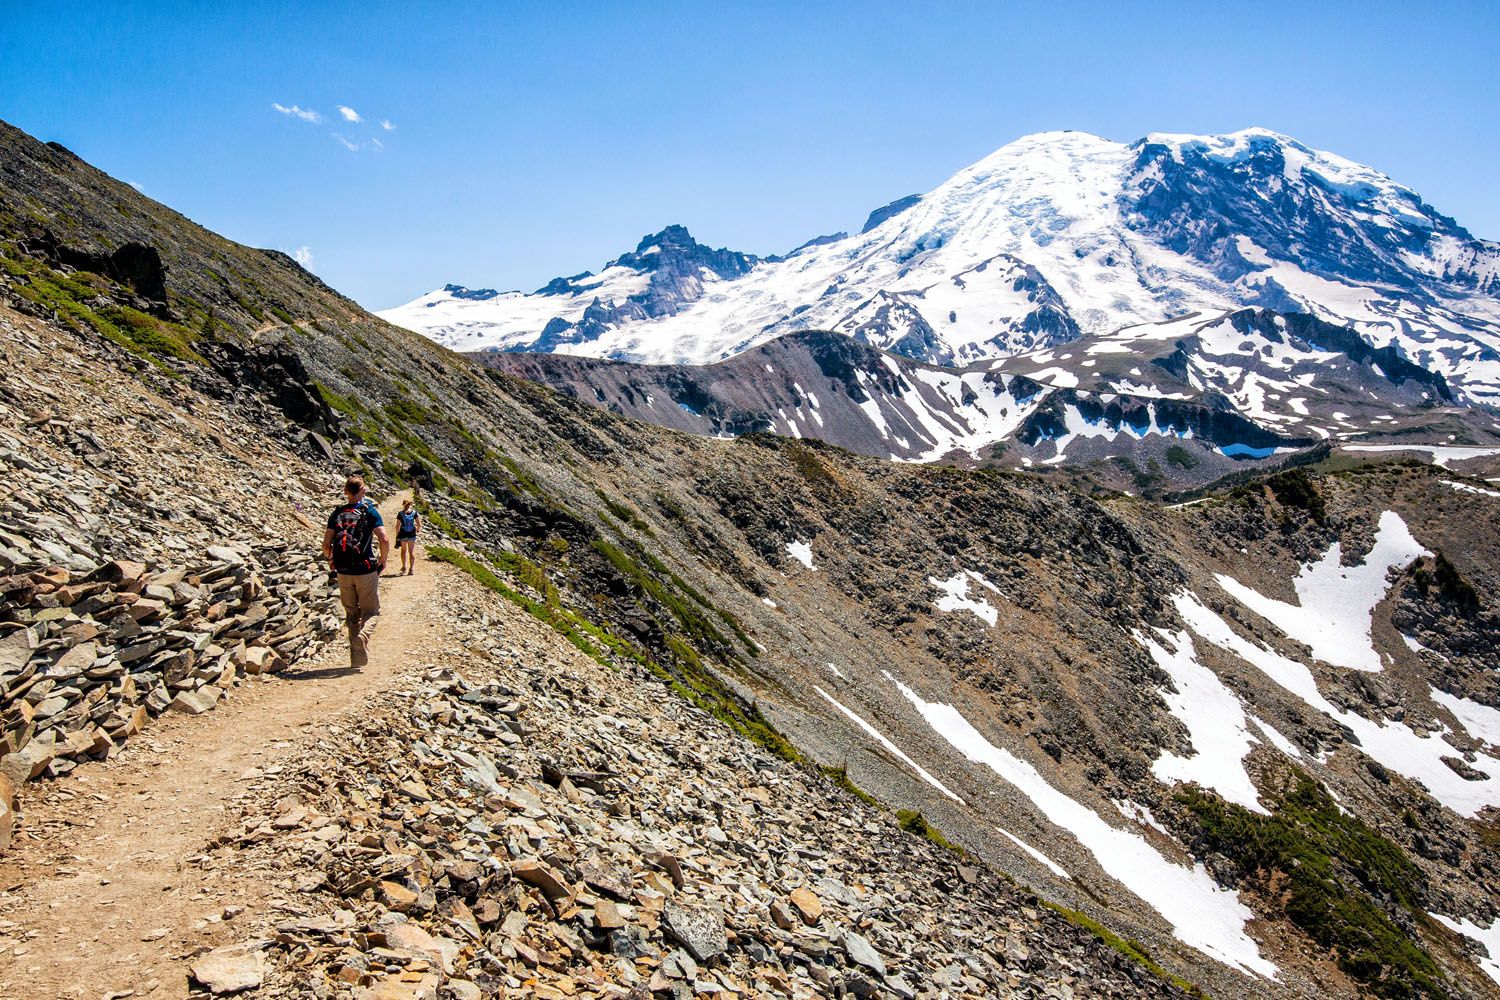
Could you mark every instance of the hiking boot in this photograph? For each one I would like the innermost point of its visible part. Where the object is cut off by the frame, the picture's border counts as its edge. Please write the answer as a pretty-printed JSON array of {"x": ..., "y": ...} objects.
[{"x": 359, "y": 655}]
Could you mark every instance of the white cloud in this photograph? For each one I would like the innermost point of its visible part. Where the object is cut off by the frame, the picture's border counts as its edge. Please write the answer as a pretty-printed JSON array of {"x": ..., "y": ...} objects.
[
  {"x": 350, "y": 146},
  {"x": 385, "y": 123},
  {"x": 306, "y": 114},
  {"x": 136, "y": 186},
  {"x": 377, "y": 143},
  {"x": 350, "y": 115},
  {"x": 304, "y": 256}
]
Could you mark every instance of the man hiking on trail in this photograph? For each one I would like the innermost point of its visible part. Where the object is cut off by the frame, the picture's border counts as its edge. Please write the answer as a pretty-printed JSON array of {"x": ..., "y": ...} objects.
[
  {"x": 349, "y": 547},
  {"x": 409, "y": 524}
]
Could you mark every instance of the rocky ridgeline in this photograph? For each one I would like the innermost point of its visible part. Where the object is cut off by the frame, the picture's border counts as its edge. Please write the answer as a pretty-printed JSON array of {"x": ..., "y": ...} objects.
[{"x": 521, "y": 820}]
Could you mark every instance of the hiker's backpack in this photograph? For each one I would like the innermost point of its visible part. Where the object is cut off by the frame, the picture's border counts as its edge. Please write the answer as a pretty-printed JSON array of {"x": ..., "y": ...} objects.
[
  {"x": 353, "y": 527},
  {"x": 408, "y": 522}
]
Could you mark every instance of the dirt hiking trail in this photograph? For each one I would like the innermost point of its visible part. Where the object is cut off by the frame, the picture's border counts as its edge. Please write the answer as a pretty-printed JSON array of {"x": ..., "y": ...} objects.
[{"x": 103, "y": 887}]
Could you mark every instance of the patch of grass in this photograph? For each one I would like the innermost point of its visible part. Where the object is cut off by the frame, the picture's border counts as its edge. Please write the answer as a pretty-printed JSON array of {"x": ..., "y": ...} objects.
[
  {"x": 914, "y": 822},
  {"x": 431, "y": 515},
  {"x": 342, "y": 404},
  {"x": 523, "y": 478},
  {"x": 692, "y": 681},
  {"x": 810, "y": 467},
  {"x": 840, "y": 776},
  {"x": 69, "y": 295},
  {"x": 1338, "y": 877},
  {"x": 1179, "y": 456},
  {"x": 528, "y": 573},
  {"x": 401, "y": 411},
  {"x": 689, "y": 617},
  {"x": 1133, "y": 950},
  {"x": 625, "y": 514},
  {"x": 585, "y": 636}
]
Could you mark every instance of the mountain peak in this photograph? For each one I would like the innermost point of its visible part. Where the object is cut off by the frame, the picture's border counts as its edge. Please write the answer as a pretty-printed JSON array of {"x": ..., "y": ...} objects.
[
  {"x": 675, "y": 235},
  {"x": 1054, "y": 235},
  {"x": 673, "y": 248}
]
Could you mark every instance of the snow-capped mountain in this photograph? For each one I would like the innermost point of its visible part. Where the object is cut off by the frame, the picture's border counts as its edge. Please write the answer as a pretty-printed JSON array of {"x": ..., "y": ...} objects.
[{"x": 1053, "y": 236}]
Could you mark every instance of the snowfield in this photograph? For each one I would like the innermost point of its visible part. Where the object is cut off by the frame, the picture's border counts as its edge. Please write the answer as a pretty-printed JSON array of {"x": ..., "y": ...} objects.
[
  {"x": 1215, "y": 721},
  {"x": 1203, "y": 914},
  {"x": 1487, "y": 937},
  {"x": 1392, "y": 744},
  {"x": 1332, "y": 616}
]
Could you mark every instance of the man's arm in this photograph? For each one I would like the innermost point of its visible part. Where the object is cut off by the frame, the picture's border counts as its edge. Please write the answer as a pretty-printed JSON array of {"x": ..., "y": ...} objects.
[
  {"x": 328, "y": 544},
  {"x": 385, "y": 543}
]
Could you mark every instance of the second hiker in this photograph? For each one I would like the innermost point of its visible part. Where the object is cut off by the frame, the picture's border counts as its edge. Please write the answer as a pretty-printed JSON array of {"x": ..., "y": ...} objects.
[
  {"x": 349, "y": 546},
  {"x": 409, "y": 525}
]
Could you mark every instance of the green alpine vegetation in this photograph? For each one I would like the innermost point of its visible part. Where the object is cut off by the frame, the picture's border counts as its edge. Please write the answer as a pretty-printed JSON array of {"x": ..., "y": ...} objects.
[{"x": 1347, "y": 887}]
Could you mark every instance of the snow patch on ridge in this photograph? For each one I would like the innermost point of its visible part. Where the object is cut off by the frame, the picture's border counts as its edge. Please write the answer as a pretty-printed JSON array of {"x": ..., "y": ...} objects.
[
  {"x": 1203, "y": 914},
  {"x": 1392, "y": 744},
  {"x": 1037, "y": 855},
  {"x": 802, "y": 552},
  {"x": 1487, "y": 937},
  {"x": 1481, "y": 721},
  {"x": 956, "y": 595},
  {"x": 1215, "y": 721},
  {"x": 1335, "y": 601},
  {"x": 880, "y": 738},
  {"x": 1440, "y": 454},
  {"x": 1466, "y": 488}
]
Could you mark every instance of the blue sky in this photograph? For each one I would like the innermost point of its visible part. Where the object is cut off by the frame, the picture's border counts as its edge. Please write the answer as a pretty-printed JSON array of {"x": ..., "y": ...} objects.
[{"x": 529, "y": 141}]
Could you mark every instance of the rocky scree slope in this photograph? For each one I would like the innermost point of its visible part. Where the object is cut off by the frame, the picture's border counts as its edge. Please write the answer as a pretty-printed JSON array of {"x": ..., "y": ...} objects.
[
  {"x": 129, "y": 583},
  {"x": 1052, "y": 236},
  {"x": 811, "y": 599},
  {"x": 520, "y": 817}
]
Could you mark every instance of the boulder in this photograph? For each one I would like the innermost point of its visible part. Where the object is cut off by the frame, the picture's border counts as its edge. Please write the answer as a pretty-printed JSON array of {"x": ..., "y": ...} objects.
[
  {"x": 861, "y": 952},
  {"x": 699, "y": 929},
  {"x": 233, "y": 969}
]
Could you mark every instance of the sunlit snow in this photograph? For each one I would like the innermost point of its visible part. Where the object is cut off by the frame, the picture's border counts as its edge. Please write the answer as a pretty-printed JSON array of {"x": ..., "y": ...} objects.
[
  {"x": 1481, "y": 721},
  {"x": 1215, "y": 722},
  {"x": 1489, "y": 937},
  {"x": 1036, "y": 855},
  {"x": 880, "y": 738},
  {"x": 956, "y": 595},
  {"x": 1203, "y": 914},
  {"x": 1335, "y": 601},
  {"x": 1393, "y": 744},
  {"x": 1466, "y": 488},
  {"x": 1440, "y": 454},
  {"x": 802, "y": 552}
]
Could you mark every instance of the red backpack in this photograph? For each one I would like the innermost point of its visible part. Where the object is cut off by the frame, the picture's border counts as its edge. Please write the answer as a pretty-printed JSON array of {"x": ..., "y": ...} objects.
[{"x": 353, "y": 532}]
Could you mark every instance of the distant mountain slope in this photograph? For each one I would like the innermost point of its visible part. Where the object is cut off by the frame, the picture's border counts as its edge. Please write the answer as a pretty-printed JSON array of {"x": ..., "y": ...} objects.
[
  {"x": 1053, "y": 236},
  {"x": 1215, "y": 391}
]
